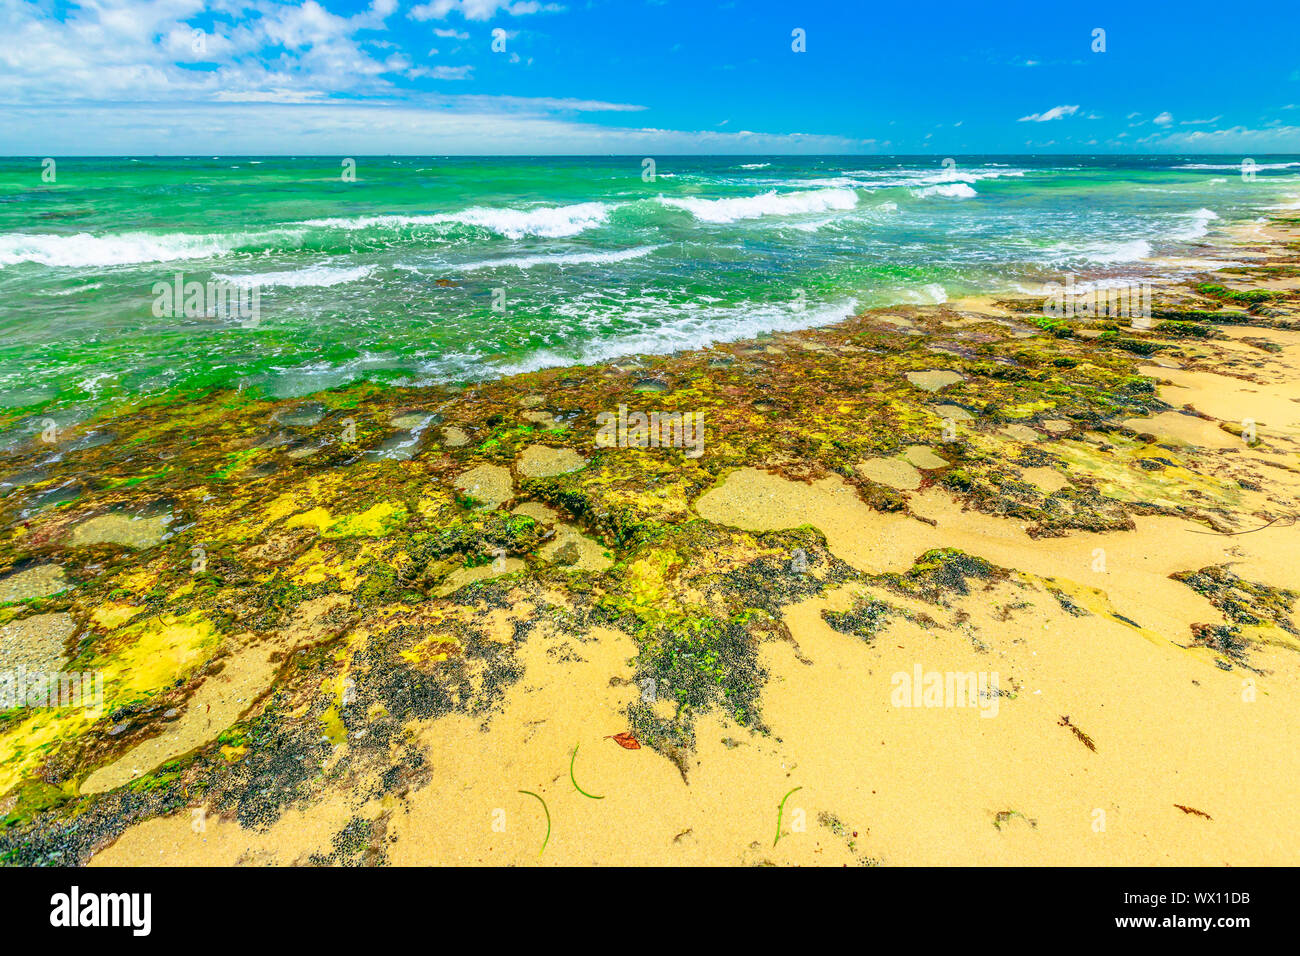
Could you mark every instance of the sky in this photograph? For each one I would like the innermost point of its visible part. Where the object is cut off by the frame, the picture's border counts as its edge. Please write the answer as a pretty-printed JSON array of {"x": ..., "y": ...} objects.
[{"x": 364, "y": 77}]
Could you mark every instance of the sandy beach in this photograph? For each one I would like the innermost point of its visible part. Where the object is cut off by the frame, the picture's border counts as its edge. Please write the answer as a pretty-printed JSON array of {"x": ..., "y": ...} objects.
[{"x": 938, "y": 584}]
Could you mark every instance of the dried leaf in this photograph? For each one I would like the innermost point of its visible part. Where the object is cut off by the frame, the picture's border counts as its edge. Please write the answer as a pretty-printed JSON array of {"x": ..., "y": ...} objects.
[{"x": 626, "y": 741}]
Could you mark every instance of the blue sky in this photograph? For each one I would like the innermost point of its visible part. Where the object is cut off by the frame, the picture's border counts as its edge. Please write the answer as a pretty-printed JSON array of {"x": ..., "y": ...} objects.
[{"x": 645, "y": 76}]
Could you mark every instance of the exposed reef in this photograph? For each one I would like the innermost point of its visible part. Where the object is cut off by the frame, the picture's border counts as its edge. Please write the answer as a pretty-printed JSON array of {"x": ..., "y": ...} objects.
[{"x": 319, "y": 579}]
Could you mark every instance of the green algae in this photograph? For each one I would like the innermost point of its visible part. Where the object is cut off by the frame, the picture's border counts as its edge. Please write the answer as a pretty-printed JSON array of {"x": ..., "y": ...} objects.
[
  {"x": 276, "y": 530},
  {"x": 32, "y": 798},
  {"x": 1243, "y": 602},
  {"x": 940, "y": 574},
  {"x": 360, "y": 842},
  {"x": 1185, "y": 329},
  {"x": 1004, "y": 817},
  {"x": 1239, "y": 296},
  {"x": 1256, "y": 613},
  {"x": 1147, "y": 476},
  {"x": 863, "y": 620}
]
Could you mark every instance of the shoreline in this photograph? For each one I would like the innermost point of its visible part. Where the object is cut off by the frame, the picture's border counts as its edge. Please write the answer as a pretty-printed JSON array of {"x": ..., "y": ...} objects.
[
  {"x": 369, "y": 656},
  {"x": 105, "y": 386}
]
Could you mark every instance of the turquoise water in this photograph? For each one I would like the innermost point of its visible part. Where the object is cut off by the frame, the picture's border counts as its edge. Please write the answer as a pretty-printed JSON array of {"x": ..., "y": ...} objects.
[{"x": 442, "y": 269}]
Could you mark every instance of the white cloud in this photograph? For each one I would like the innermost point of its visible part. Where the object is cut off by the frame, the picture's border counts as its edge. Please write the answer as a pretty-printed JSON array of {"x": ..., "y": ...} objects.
[
  {"x": 434, "y": 10},
  {"x": 1164, "y": 119},
  {"x": 441, "y": 72},
  {"x": 533, "y": 104},
  {"x": 532, "y": 6},
  {"x": 449, "y": 125},
  {"x": 127, "y": 50},
  {"x": 480, "y": 9},
  {"x": 1237, "y": 139},
  {"x": 1055, "y": 113},
  {"x": 267, "y": 96}
]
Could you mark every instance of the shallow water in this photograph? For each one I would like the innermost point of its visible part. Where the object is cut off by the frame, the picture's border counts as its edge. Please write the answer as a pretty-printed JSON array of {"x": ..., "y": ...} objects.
[{"x": 437, "y": 269}]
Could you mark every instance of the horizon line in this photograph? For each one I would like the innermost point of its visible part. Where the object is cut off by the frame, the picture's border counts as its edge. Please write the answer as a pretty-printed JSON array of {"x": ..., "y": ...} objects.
[{"x": 309, "y": 155}]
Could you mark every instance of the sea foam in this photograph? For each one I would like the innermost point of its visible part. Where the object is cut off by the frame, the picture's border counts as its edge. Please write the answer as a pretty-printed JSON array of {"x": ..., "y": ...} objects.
[
  {"x": 1235, "y": 166},
  {"x": 127, "y": 248},
  {"x": 1199, "y": 226},
  {"x": 766, "y": 204},
  {"x": 560, "y": 259},
  {"x": 314, "y": 276},
  {"x": 1104, "y": 253},
  {"x": 549, "y": 222},
  {"x": 689, "y": 329},
  {"x": 946, "y": 191}
]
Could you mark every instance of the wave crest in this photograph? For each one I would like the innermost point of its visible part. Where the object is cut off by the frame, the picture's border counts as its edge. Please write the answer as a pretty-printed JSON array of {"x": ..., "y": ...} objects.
[
  {"x": 124, "y": 249},
  {"x": 767, "y": 204},
  {"x": 315, "y": 276},
  {"x": 561, "y": 259},
  {"x": 946, "y": 191},
  {"x": 548, "y": 222}
]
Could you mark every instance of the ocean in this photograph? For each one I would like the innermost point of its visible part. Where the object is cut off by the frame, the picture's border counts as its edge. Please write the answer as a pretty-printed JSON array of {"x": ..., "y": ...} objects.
[{"x": 456, "y": 269}]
